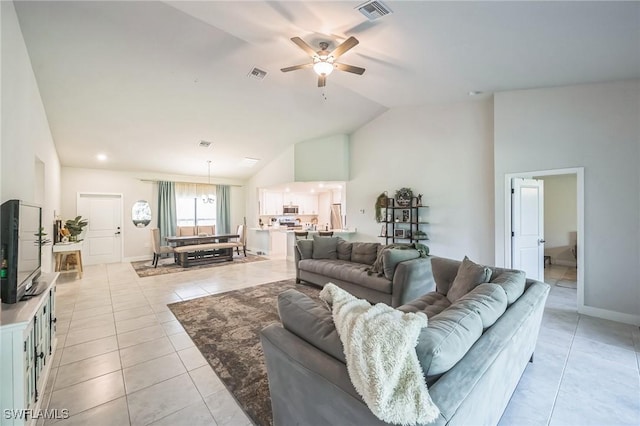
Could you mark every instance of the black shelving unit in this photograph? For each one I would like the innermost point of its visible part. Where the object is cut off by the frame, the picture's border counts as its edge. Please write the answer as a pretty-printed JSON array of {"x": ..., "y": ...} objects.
[{"x": 402, "y": 222}]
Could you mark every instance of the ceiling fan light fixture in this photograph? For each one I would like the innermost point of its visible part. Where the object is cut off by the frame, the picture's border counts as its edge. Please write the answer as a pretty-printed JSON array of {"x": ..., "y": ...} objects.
[{"x": 323, "y": 66}]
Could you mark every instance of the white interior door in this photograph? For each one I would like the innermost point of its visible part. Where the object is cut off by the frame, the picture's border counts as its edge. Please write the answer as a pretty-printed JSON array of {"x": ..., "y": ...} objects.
[
  {"x": 102, "y": 240},
  {"x": 527, "y": 235}
]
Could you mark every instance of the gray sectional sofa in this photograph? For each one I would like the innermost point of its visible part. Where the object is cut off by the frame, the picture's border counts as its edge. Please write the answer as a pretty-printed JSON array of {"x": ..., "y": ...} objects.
[
  {"x": 403, "y": 275},
  {"x": 478, "y": 342}
]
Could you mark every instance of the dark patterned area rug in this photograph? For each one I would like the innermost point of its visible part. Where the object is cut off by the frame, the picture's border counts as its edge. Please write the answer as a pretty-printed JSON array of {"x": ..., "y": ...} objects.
[
  {"x": 168, "y": 266},
  {"x": 226, "y": 329}
]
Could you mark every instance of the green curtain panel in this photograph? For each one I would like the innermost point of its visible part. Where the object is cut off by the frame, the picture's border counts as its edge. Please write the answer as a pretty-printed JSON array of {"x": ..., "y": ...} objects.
[
  {"x": 167, "y": 217},
  {"x": 223, "y": 210}
]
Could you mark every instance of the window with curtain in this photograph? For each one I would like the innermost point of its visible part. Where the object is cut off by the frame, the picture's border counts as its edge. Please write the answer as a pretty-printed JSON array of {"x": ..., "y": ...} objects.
[{"x": 195, "y": 204}]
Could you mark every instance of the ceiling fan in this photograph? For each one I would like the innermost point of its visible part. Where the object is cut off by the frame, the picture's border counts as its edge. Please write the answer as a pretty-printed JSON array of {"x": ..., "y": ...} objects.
[{"x": 324, "y": 61}]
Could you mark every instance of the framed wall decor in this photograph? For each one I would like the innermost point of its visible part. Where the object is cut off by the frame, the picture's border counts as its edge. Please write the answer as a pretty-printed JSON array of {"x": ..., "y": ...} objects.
[
  {"x": 399, "y": 233},
  {"x": 406, "y": 214},
  {"x": 383, "y": 231}
]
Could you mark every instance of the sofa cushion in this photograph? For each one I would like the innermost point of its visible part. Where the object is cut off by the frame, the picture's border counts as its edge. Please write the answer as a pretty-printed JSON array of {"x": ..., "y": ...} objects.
[
  {"x": 447, "y": 339},
  {"x": 344, "y": 249},
  {"x": 365, "y": 253},
  {"x": 350, "y": 272},
  {"x": 469, "y": 275},
  {"x": 391, "y": 258},
  {"x": 512, "y": 281},
  {"x": 310, "y": 321},
  {"x": 488, "y": 300},
  {"x": 305, "y": 248},
  {"x": 325, "y": 247},
  {"x": 431, "y": 304}
]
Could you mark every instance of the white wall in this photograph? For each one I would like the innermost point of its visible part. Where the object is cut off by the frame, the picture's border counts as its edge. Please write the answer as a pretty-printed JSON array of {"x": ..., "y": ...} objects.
[
  {"x": 25, "y": 134},
  {"x": 560, "y": 217},
  {"x": 443, "y": 152},
  {"x": 597, "y": 127},
  {"x": 137, "y": 241}
]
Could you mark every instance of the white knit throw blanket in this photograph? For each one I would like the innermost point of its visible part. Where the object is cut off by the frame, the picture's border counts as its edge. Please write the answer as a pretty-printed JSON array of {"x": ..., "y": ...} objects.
[{"x": 379, "y": 346}]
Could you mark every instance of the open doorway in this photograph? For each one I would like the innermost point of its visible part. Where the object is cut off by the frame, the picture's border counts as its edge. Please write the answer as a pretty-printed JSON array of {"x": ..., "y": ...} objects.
[{"x": 563, "y": 248}]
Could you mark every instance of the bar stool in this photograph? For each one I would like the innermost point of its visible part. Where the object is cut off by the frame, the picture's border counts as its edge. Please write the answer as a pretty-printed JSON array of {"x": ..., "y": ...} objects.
[
  {"x": 301, "y": 235},
  {"x": 325, "y": 233}
]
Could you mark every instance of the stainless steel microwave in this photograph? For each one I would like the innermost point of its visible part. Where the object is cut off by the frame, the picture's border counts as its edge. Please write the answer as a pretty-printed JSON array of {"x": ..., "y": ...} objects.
[{"x": 290, "y": 209}]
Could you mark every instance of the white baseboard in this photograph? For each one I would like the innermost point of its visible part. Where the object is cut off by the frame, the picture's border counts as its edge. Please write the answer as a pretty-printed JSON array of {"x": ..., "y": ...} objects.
[{"x": 610, "y": 315}]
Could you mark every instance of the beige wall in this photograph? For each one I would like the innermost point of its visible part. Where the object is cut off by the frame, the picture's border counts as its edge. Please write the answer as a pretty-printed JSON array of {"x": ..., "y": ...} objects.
[{"x": 560, "y": 217}]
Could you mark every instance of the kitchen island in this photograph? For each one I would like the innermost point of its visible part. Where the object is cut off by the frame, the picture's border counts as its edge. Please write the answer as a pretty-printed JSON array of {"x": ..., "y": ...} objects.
[{"x": 280, "y": 241}]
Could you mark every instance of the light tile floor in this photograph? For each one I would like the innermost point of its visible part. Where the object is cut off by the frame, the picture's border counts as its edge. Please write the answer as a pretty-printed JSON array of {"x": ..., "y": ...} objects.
[
  {"x": 585, "y": 369},
  {"x": 122, "y": 358}
]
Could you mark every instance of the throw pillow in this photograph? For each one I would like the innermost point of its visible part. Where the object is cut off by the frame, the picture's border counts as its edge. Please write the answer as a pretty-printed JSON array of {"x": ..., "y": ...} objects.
[
  {"x": 344, "y": 249},
  {"x": 365, "y": 253},
  {"x": 325, "y": 247},
  {"x": 469, "y": 275},
  {"x": 305, "y": 248},
  {"x": 391, "y": 258}
]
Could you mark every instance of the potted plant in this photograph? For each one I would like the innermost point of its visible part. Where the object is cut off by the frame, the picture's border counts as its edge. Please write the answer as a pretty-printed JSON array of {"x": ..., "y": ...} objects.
[
  {"x": 404, "y": 197},
  {"x": 381, "y": 203},
  {"x": 75, "y": 227}
]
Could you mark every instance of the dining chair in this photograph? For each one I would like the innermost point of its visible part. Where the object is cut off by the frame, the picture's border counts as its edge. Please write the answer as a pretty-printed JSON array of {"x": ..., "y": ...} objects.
[
  {"x": 207, "y": 229},
  {"x": 157, "y": 248},
  {"x": 301, "y": 235},
  {"x": 242, "y": 240},
  {"x": 325, "y": 233},
  {"x": 186, "y": 231}
]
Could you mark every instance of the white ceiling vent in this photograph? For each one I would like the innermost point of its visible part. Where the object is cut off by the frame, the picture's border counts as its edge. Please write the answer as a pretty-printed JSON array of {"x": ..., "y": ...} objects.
[
  {"x": 257, "y": 73},
  {"x": 204, "y": 144},
  {"x": 374, "y": 9}
]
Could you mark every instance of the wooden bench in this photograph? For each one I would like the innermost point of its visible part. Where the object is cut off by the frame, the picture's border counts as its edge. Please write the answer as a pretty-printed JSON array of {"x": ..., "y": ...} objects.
[{"x": 203, "y": 253}]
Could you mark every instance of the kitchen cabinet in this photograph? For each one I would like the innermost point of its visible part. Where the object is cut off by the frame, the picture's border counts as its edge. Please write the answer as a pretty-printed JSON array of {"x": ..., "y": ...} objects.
[
  {"x": 307, "y": 203},
  {"x": 272, "y": 203},
  {"x": 28, "y": 342}
]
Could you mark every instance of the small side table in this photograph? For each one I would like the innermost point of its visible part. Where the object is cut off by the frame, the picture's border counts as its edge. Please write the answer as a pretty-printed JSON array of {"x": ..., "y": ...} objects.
[{"x": 62, "y": 249}]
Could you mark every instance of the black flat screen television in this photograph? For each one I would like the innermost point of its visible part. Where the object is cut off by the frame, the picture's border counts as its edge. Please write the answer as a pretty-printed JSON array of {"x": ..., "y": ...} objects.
[{"x": 20, "y": 240}]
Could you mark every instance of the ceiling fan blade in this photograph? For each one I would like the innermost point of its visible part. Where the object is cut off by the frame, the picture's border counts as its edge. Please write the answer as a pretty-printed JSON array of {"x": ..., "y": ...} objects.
[
  {"x": 349, "y": 68},
  {"x": 322, "y": 80},
  {"x": 296, "y": 67},
  {"x": 304, "y": 46},
  {"x": 346, "y": 45}
]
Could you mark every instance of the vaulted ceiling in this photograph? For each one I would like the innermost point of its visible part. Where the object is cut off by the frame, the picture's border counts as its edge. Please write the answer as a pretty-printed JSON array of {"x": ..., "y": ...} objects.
[{"x": 144, "y": 82}]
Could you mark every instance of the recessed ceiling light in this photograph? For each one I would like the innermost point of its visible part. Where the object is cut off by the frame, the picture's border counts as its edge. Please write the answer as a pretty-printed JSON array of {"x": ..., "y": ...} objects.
[
  {"x": 204, "y": 144},
  {"x": 249, "y": 162},
  {"x": 475, "y": 93},
  {"x": 101, "y": 157},
  {"x": 287, "y": 189},
  {"x": 321, "y": 185},
  {"x": 313, "y": 190}
]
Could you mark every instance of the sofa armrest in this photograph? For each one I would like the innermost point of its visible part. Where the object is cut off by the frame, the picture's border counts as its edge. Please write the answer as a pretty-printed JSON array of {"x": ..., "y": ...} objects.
[{"x": 412, "y": 279}]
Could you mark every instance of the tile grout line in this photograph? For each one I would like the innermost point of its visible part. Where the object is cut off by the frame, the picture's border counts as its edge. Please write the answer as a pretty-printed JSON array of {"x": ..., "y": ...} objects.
[{"x": 564, "y": 367}]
